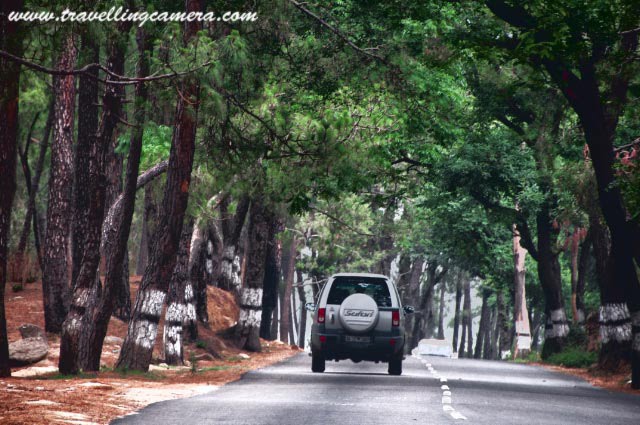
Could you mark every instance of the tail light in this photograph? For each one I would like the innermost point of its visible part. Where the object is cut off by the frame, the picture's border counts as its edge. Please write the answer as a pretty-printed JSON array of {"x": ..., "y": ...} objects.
[
  {"x": 395, "y": 318},
  {"x": 321, "y": 314}
]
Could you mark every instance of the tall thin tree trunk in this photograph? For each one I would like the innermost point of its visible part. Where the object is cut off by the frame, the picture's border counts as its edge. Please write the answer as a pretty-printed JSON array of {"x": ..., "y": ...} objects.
[
  {"x": 232, "y": 227},
  {"x": 456, "y": 317},
  {"x": 485, "y": 317},
  {"x": 285, "y": 322},
  {"x": 303, "y": 311},
  {"x": 198, "y": 272},
  {"x": 10, "y": 41},
  {"x": 583, "y": 264},
  {"x": 32, "y": 215},
  {"x": 441, "y": 312},
  {"x": 55, "y": 278},
  {"x": 469, "y": 317},
  {"x": 272, "y": 273},
  {"x": 248, "y": 328},
  {"x": 137, "y": 348},
  {"x": 87, "y": 134},
  {"x": 522, "y": 346}
]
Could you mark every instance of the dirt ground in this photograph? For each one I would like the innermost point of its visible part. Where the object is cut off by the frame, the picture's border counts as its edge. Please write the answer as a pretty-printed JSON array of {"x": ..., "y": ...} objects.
[
  {"x": 618, "y": 381},
  {"x": 38, "y": 394}
]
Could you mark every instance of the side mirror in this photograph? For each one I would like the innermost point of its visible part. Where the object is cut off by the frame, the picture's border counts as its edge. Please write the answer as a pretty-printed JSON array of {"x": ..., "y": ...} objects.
[
  {"x": 310, "y": 306},
  {"x": 409, "y": 309}
]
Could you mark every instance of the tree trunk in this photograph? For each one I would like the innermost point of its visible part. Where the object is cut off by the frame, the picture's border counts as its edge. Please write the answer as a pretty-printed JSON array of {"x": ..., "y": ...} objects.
[
  {"x": 149, "y": 222},
  {"x": 87, "y": 133},
  {"x": 271, "y": 278},
  {"x": 248, "y": 328},
  {"x": 583, "y": 264},
  {"x": 55, "y": 273},
  {"x": 285, "y": 322},
  {"x": 231, "y": 231},
  {"x": 10, "y": 41},
  {"x": 485, "y": 318},
  {"x": 303, "y": 311},
  {"x": 522, "y": 346},
  {"x": 441, "y": 312},
  {"x": 487, "y": 349},
  {"x": 117, "y": 224},
  {"x": 557, "y": 326},
  {"x": 31, "y": 216},
  {"x": 456, "y": 317},
  {"x": 138, "y": 345},
  {"x": 177, "y": 314},
  {"x": 468, "y": 317},
  {"x": 198, "y": 272}
]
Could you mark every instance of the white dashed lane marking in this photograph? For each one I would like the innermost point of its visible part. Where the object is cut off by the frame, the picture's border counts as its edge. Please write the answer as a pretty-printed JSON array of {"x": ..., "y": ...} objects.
[{"x": 446, "y": 393}]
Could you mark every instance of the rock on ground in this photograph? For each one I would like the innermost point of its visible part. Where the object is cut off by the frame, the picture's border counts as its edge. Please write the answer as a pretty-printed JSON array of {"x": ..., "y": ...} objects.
[{"x": 27, "y": 351}]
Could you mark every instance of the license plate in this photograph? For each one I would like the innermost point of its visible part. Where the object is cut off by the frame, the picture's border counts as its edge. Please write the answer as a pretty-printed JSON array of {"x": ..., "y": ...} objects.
[{"x": 350, "y": 338}]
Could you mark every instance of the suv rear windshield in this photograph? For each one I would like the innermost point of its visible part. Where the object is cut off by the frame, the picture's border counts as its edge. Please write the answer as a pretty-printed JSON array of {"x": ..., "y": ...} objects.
[{"x": 375, "y": 287}]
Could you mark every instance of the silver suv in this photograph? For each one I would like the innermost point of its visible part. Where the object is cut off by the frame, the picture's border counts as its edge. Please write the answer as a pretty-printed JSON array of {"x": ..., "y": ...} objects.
[{"x": 358, "y": 316}]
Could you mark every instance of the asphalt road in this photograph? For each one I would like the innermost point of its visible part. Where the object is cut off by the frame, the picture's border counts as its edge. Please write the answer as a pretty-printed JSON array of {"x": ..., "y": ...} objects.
[{"x": 432, "y": 390}]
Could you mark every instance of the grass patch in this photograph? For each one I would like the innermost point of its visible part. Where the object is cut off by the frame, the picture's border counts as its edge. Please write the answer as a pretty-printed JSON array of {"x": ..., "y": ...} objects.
[
  {"x": 573, "y": 357},
  {"x": 216, "y": 368},
  {"x": 124, "y": 372}
]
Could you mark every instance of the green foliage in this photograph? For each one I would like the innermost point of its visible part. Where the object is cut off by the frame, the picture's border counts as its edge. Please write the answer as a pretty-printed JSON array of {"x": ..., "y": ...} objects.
[{"x": 573, "y": 357}]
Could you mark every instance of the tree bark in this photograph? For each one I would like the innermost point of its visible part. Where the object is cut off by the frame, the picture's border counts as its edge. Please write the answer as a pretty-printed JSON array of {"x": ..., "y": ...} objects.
[
  {"x": 272, "y": 274},
  {"x": 117, "y": 224},
  {"x": 522, "y": 346},
  {"x": 55, "y": 278},
  {"x": 32, "y": 216},
  {"x": 87, "y": 134},
  {"x": 90, "y": 213},
  {"x": 149, "y": 219},
  {"x": 303, "y": 311},
  {"x": 138, "y": 345},
  {"x": 285, "y": 322},
  {"x": 485, "y": 317},
  {"x": 198, "y": 272},
  {"x": 456, "y": 317},
  {"x": 231, "y": 231},
  {"x": 248, "y": 328},
  {"x": 441, "y": 312},
  {"x": 469, "y": 317},
  {"x": 9, "y": 90},
  {"x": 179, "y": 309}
]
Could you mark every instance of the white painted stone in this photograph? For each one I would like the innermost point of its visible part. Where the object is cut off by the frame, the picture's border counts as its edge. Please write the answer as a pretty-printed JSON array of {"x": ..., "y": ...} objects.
[
  {"x": 446, "y": 400},
  {"x": 444, "y": 387},
  {"x": 443, "y": 379},
  {"x": 457, "y": 415}
]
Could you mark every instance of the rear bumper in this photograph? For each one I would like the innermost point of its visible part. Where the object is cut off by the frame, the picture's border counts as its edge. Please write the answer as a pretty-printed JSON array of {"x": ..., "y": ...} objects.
[{"x": 333, "y": 346}]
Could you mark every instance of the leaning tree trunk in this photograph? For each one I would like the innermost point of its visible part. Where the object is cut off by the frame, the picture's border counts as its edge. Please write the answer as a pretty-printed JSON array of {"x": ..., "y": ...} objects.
[
  {"x": 74, "y": 344},
  {"x": 137, "y": 348},
  {"x": 31, "y": 216},
  {"x": 149, "y": 221},
  {"x": 55, "y": 273},
  {"x": 522, "y": 346},
  {"x": 248, "y": 328},
  {"x": 9, "y": 89},
  {"x": 178, "y": 296}
]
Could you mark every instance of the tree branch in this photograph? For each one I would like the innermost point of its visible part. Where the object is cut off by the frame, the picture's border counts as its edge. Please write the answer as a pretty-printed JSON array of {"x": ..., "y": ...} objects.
[{"x": 336, "y": 31}]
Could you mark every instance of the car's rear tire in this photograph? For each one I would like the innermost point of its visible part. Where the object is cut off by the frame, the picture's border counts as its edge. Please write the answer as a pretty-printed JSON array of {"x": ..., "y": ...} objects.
[
  {"x": 395, "y": 366},
  {"x": 317, "y": 362}
]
